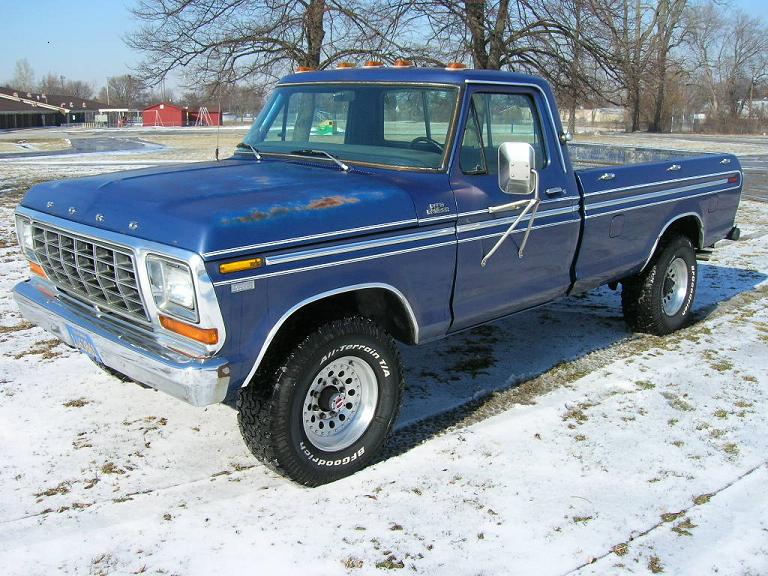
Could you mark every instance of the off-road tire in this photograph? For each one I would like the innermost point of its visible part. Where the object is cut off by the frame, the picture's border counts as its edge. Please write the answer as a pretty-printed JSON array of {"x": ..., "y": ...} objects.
[
  {"x": 270, "y": 407},
  {"x": 642, "y": 296}
]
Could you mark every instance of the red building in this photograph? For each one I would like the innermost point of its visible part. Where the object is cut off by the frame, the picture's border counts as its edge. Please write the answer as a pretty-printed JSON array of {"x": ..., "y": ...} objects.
[{"x": 164, "y": 114}]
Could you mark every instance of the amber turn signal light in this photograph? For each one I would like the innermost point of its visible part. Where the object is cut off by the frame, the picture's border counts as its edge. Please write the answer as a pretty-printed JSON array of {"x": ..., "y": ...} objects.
[
  {"x": 35, "y": 268},
  {"x": 204, "y": 335},
  {"x": 240, "y": 265}
]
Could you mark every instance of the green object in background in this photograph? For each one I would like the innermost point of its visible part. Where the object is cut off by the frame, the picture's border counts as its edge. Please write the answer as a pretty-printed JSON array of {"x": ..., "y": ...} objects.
[{"x": 326, "y": 128}]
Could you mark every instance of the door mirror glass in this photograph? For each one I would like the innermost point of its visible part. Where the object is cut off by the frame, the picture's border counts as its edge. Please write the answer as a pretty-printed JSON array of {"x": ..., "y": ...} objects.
[{"x": 516, "y": 160}]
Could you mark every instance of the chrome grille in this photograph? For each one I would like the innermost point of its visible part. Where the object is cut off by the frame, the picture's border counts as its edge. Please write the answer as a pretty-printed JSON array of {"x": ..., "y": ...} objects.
[{"x": 99, "y": 273}]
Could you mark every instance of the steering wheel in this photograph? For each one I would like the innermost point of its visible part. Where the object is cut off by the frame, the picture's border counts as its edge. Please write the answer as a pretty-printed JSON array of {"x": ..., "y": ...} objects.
[{"x": 427, "y": 140}]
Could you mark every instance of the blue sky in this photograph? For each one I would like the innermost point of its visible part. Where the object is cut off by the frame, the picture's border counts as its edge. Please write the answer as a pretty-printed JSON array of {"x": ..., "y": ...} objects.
[{"x": 82, "y": 39}]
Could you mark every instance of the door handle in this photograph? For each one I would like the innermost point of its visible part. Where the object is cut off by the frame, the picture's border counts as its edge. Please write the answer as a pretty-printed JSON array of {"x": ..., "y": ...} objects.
[
  {"x": 552, "y": 192},
  {"x": 608, "y": 176},
  {"x": 674, "y": 168}
]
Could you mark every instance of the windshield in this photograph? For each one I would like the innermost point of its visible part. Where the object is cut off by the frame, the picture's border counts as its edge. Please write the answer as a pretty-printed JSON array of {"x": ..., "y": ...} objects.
[{"x": 388, "y": 124}]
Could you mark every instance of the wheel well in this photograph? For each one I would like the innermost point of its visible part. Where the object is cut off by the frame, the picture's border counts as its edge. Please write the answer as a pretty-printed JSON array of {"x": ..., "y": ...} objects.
[
  {"x": 381, "y": 305},
  {"x": 688, "y": 226}
]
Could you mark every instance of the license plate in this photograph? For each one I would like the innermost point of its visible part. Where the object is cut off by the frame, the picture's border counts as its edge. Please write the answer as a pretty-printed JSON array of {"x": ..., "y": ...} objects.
[{"x": 84, "y": 343}]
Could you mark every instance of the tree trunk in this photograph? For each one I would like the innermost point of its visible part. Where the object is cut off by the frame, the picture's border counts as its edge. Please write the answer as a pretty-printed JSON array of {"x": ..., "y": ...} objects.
[
  {"x": 475, "y": 11},
  {"x": 575, "y": 68},
  {"x": 313, "y": 28}
]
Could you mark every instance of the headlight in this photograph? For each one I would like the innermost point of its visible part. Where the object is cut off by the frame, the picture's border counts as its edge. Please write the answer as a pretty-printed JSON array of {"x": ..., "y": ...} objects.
[
  {"x": 24, "y": 235},
  {"x": 172, "y": 287}
]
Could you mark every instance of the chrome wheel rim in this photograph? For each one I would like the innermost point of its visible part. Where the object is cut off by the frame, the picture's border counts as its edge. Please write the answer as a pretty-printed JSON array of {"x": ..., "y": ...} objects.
[
  {"x": 340, "y": 403},
  {"x": 675, "y": 286}
]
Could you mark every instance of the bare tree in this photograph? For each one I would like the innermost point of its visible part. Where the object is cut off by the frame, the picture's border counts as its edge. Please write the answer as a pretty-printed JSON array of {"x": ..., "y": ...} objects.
[
  {"x": 230, "y": 40},
  {"x": 669, "y": 34},
  {"x": 493, "y": 34},
  {"x": 23, "y": 76},
  {"x": 59, "y": 85},
  {"x": 125, "y": 91},
  {"x": 730, "y": 57}
]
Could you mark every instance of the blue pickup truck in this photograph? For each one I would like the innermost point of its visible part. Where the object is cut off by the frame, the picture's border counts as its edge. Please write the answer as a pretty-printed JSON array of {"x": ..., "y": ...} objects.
[{"x": 365, "y": 205}]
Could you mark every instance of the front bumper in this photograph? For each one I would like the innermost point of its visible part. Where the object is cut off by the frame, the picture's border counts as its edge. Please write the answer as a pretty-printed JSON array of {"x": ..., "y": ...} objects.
[{"x": 197, "y": 381}]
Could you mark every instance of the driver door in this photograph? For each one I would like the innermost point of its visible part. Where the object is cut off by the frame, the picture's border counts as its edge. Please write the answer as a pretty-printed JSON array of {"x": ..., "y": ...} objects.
[{"x": 509, "y": 281}]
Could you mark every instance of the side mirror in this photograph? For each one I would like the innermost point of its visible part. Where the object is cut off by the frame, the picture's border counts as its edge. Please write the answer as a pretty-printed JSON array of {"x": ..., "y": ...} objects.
[{"x": 517, "y": 161}]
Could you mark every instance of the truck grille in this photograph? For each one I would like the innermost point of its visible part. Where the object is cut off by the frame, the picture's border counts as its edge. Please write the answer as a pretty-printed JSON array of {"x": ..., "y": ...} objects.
[{"x": 101, "y": 274}]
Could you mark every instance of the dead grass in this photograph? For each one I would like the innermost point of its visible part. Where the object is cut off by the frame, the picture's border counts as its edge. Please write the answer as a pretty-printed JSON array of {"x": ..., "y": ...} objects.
[{"x": 44, "y": 348}]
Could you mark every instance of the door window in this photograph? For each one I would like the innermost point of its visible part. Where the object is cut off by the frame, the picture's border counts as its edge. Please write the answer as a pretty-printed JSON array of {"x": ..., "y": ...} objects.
[{"x": 497, "y": 118}]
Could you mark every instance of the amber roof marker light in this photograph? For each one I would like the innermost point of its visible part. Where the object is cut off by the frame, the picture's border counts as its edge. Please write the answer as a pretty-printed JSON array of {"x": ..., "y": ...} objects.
[
  {"x": 343, "y": 65},
  {"x": 305, "y": 69},
  {"x": 403, "y": 63},
  {"x": 455, "y": 66},
  {"x": 373, "y": 64}
]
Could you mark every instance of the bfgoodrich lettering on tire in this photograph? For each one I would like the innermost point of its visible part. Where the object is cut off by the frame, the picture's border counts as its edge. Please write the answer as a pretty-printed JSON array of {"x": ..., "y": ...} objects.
[
  {"x": 660, "y": 299},
  {"x": 329, "y": 408}
]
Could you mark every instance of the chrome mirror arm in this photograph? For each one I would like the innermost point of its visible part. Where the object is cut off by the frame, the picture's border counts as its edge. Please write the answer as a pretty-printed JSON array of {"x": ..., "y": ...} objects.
[{"x": 531, "y": 206}]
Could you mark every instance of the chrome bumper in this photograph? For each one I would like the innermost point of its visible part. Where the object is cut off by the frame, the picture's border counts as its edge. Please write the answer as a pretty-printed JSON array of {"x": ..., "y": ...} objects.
[{"x": 198, "y": 382}]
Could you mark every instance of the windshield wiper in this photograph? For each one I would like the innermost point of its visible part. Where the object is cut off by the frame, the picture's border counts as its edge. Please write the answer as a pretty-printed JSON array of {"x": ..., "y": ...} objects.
[
  {"x": 255, "y": 152},
  {"x": 313, "y": 152}
]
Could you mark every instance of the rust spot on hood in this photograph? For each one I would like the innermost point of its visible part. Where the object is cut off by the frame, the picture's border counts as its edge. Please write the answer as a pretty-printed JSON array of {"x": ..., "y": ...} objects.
[
  {"x": 331, "y": 202},
  {"x": 318, "y": 204}
]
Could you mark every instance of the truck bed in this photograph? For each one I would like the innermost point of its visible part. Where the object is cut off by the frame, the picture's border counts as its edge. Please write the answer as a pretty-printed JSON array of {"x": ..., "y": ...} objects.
[{"x": 627, "y": 208}]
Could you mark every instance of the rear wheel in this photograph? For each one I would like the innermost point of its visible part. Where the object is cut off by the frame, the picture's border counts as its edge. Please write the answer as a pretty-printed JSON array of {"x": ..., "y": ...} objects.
[
  {"x": 659, "y": 300},
  {"x": 329, "y": 408}
]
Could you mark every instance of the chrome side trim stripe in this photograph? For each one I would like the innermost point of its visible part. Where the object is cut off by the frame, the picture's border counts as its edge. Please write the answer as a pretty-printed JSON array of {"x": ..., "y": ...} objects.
[
  {"x": 522, "y": 230},
  {"x": 437, "y": 218},
  {"x": 507, "y": 221},
  {"x": 331, "y": 264},
  {"x": 355, "y": 246},
  {"x": 589, "y": 216},
  {"x": 652, "y": 195},
  {"x": 648, "y": 185},
  {"x": 331, "y": 235},
  {"x": 322, "y": 235}
]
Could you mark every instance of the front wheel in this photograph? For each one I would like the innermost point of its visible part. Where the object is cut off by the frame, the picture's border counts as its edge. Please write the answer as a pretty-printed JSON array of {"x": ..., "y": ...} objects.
[
  {"x": 329, "y": 408},
  {"x": 659, "y": 300}
]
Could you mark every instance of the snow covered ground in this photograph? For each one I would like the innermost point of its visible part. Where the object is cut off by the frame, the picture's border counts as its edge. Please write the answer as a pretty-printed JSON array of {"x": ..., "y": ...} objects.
[{"x": 554, "y": 442}]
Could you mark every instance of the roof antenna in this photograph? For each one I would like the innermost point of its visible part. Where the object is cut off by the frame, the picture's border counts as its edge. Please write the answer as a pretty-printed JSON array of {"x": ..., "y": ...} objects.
[{"x": 218, "y": 125}]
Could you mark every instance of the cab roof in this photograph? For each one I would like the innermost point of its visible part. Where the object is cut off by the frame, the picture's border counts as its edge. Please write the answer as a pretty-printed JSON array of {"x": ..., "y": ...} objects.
[{"x": 412, "y": 74}]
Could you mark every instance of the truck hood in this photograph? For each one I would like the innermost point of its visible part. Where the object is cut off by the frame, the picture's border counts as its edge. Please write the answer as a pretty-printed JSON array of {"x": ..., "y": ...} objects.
[{"x": 216, "y": 207}]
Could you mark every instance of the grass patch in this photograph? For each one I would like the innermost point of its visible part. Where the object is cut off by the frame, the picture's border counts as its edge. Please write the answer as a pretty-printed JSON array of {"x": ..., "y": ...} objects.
[
  {"x": 352, "y": 563},
  {"x": 390, "y": 563},
  {"x": 655, "y": 565},
  {"x": 677, "y": 403},
  {"x": 684, "y": 528},
  {"x": 645, "y": 385},
  {"x": 731, "y": 449},
  {"x": 672, "y": 516},
  {"x": 620, "y": 549},
  {"x": 78, "y": 403},
  {"x": 61, "y": 489},
  {"x": 702, "y": 499},
  {"x": 111, "y": 468}
]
